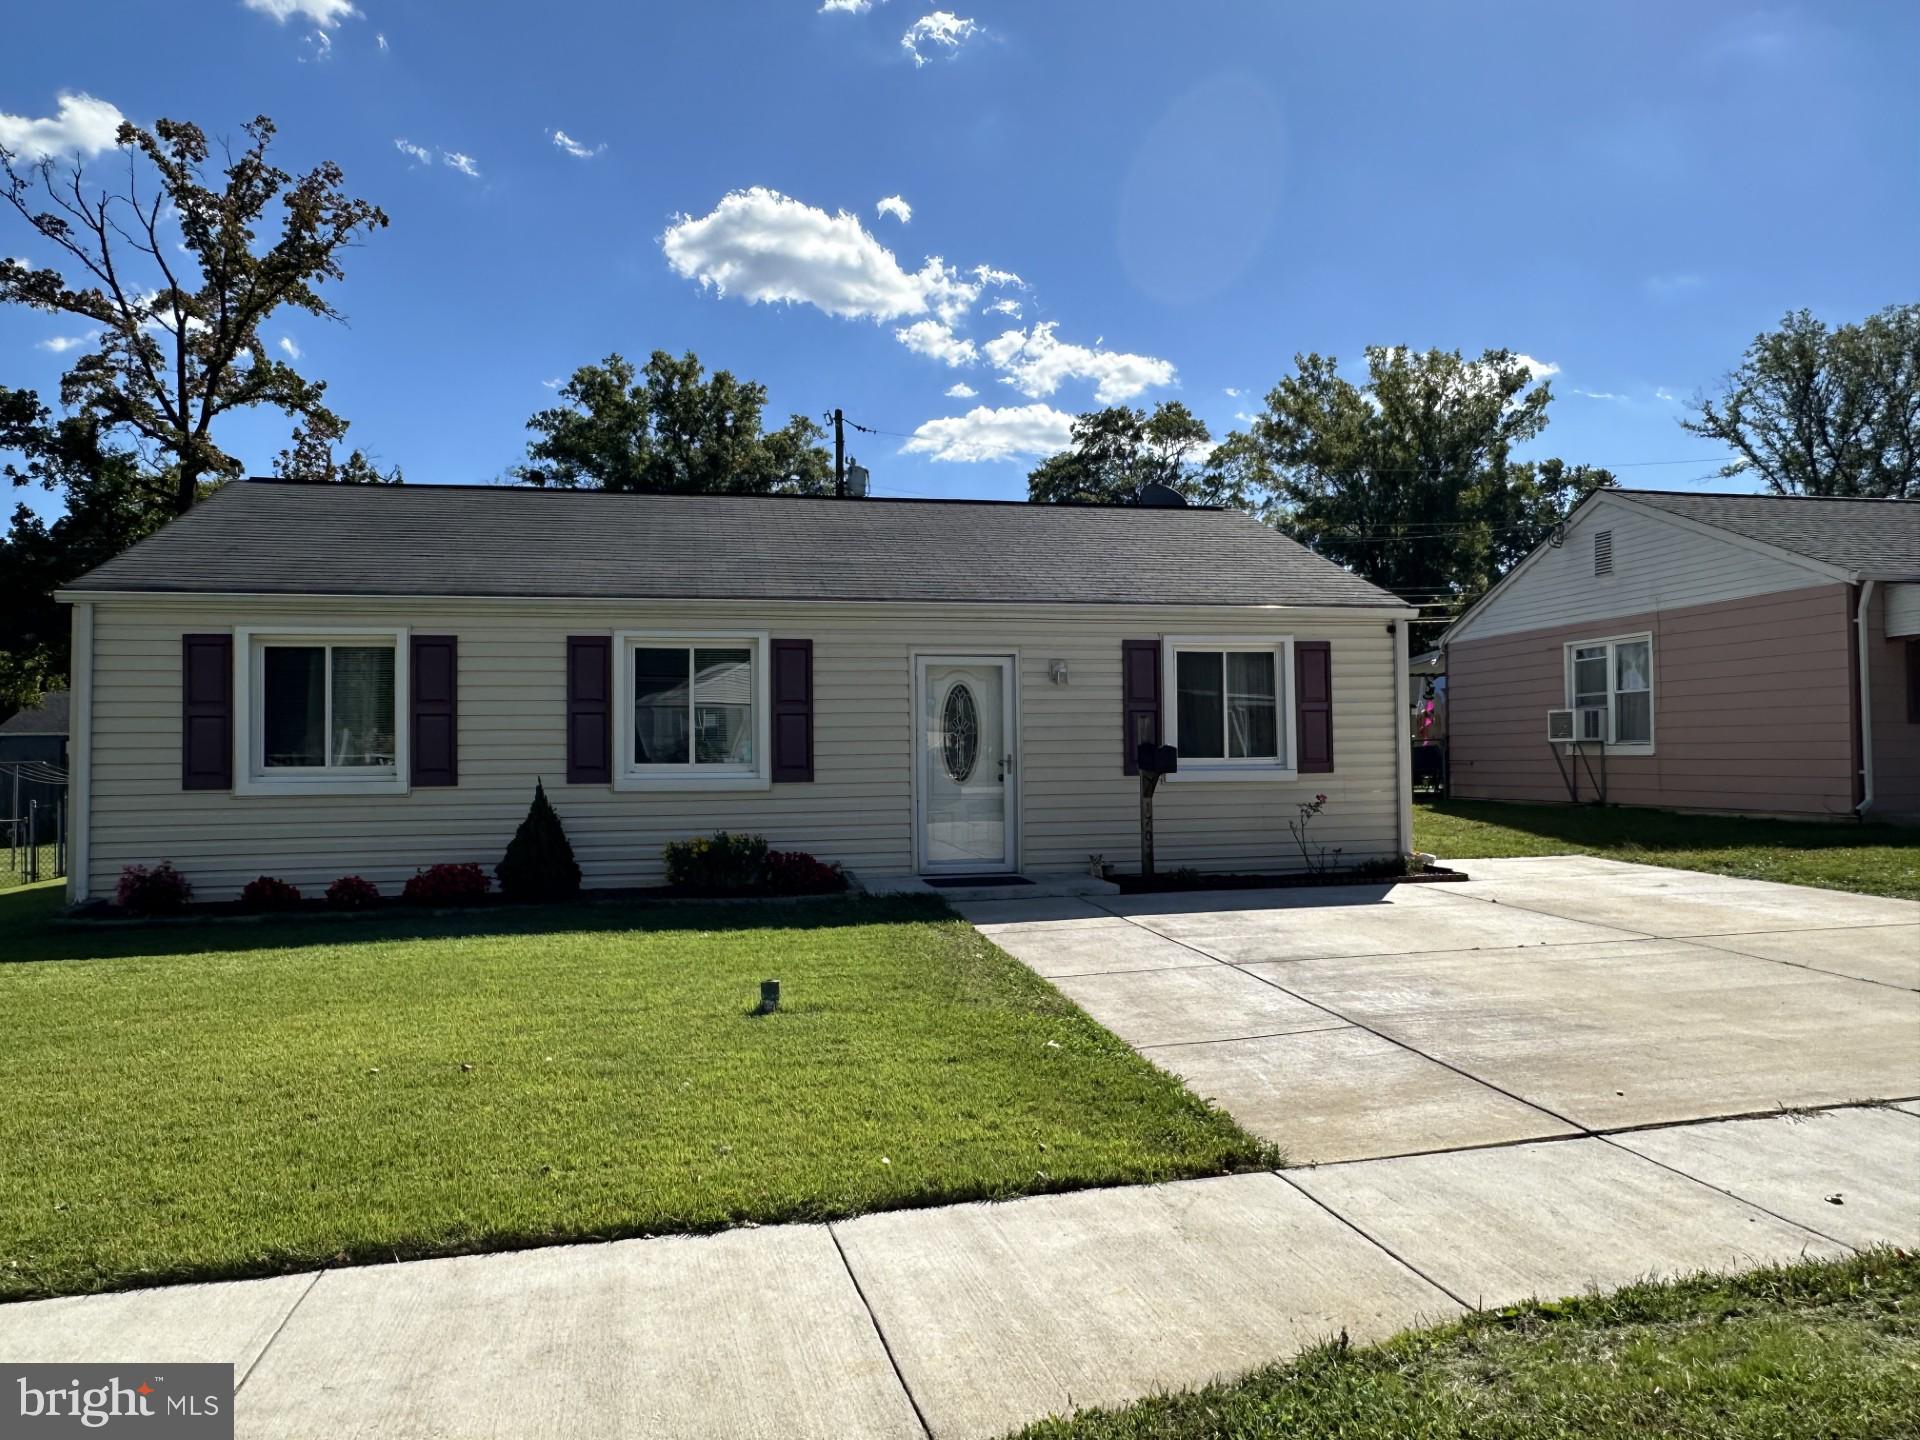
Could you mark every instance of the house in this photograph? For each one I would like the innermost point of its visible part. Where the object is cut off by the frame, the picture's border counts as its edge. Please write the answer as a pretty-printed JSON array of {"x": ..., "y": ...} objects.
[
  {"x": 314, "y": 681},
  {"x": 37, "y": 735},
  {"x": 1751, "y": 653}
]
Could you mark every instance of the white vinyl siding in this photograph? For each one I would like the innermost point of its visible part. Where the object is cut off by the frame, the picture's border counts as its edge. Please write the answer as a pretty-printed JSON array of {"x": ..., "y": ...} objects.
[
  {"x": 1654, "y": 563},
  {"x": 1073, "y": 799}
]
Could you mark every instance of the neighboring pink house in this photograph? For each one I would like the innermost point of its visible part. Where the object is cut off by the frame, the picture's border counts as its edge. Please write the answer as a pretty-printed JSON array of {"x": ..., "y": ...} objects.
[{"x": 1752, "y": 653}]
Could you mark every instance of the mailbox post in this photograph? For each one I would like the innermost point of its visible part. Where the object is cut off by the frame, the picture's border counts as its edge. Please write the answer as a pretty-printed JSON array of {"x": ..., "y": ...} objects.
[{"x": 1153, "y": 761}]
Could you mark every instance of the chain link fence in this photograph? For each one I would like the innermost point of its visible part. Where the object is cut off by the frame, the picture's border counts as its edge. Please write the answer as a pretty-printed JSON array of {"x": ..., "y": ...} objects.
[{"x": 33, "y": 828}]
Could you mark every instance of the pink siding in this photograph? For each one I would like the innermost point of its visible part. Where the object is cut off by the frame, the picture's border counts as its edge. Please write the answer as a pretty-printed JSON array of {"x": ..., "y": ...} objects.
[
  {"x": 1752, "y": 708},
  {"x": 1896, "y": 739}
]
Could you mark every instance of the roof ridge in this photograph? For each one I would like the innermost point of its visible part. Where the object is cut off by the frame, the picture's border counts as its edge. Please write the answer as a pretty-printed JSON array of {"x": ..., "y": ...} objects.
[{"x": 1629, "y": 492}]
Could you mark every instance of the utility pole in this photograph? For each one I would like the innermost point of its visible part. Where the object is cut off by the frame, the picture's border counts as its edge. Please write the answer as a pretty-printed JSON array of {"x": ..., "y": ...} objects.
[{"x": 839, "y": 454}]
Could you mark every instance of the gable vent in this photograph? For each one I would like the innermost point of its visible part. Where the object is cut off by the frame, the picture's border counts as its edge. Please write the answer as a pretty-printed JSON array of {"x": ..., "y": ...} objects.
[{"x": 1603, "y": 552}]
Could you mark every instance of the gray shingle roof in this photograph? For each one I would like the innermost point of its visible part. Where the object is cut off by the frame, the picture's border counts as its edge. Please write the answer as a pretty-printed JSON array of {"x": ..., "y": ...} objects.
[
  {"x": 1877, "y": 538},
  {"x": 275, "y": 538},
  {"x": 49, "y": 717}
]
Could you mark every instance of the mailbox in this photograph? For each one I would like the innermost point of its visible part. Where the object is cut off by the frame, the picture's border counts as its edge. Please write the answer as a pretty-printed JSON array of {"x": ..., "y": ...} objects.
[{"x": 1155, "y": 759}]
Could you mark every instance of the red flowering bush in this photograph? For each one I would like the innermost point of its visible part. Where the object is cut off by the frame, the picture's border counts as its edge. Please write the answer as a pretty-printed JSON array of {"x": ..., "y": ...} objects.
[
  {"x": 350, "y": 892},
  {"x": 447, "y": 885},
  {"x": 161, "y": 890},
  {"x": 267, "y": 893},
  {"x": 794, "y": 872}
]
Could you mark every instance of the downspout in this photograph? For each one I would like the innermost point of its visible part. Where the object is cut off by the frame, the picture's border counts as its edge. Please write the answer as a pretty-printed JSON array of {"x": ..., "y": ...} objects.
[
  {"x": 1403, "y": 751},
  {"x": 1860, "y": 615}
]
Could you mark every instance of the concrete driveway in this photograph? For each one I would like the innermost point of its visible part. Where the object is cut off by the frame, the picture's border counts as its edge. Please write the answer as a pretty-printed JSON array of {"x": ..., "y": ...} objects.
[{"x": 1545, "y": 997}]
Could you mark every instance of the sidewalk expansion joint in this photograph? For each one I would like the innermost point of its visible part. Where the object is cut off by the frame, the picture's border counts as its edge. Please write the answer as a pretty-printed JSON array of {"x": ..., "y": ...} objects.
[{"x": 880, "y": 1334}]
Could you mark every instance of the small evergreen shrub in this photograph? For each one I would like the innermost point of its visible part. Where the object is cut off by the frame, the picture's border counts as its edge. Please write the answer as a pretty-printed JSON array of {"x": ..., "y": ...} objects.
[
  {"x": 794, "y": 872},
  {"x": 350, "y": 892},
  {"x": 268, "y": 893},
  {"x": 539, "y": 863},
  {"x": 722, "y": 864},
  {"x": 161, "y": 890},
  {"x": 447, "y": 885}
]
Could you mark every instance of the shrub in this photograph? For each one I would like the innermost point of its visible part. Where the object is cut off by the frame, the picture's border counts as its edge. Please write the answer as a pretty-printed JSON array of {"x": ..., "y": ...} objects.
[
  {"x": 539, "y": 863},
  {"x": 267, "y": 893},
  {"x": 350, "y": 892},
  {"x": 794, "y": 872},
  {"x": 721, "y": 864},
  {"x": 162, "y": 890},
  {"x": 447, "y": 885}
]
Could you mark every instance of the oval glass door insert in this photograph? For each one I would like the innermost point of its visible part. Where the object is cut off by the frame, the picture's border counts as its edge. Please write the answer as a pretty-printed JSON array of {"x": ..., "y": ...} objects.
[{"x": 960, "y": 722}]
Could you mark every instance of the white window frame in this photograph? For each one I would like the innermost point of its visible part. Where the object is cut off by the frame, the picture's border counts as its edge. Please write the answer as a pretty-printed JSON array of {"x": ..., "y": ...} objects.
[
  {"x": 691, "y": 776},
  {"x": 1285, "y": 767},
  {"x": 1613, "y": 680},
  {"x": 251, "y": 776}
]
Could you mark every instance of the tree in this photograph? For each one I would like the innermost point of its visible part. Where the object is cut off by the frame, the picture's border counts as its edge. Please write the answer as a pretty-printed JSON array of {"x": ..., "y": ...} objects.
[
  {"x": 310, "y": 459},
  {"x": 1120, "y": 450},
  {"x": 178, "y": 324},
  {"x": 108, "y": 507},
  {"x": 1814, "y": 411},
  {"x": 668, "y": 429},
  {"x": 1409, "y": 480}
]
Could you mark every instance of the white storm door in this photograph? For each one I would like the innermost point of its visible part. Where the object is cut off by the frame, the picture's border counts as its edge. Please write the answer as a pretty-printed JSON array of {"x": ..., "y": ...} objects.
[{"x": 965, "y": 763}]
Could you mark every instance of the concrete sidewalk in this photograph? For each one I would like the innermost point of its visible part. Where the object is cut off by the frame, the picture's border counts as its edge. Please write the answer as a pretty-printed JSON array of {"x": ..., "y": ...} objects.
[{"x": 973, "y": 1319}]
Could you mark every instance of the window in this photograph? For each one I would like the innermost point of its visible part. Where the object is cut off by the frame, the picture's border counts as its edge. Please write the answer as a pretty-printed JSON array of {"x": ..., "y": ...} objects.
[
  {"x": 1615, "y": 677},
  {"x": 1227, "y": 706},
  {"x": 694, "y": 710},
  {"x": 321, "y": 711}
]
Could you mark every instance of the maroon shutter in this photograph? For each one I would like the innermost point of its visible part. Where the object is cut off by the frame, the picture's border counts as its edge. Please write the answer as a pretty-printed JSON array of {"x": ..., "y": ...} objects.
[
  {"x": 1139, "y": 700},
  {"x": 1313, "y": 703},
  {"x": 792, "y": 666},
  {"x": 589, "y": 709},
  {"x": 206, "y": 712},
  {"x": 433, "y": 692}
]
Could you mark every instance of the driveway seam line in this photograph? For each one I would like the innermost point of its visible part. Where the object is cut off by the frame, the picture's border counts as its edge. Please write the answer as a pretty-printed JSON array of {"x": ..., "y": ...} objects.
[
  {"x": 1705, "y": 942},
  {"x": 1411, "y": 1049},
  {"x": 1377, "y": 1243},
  {"x": 1731, "y": 1195},
  {"x": 1236, "y": 1039},
  {"x": 1144, "y": 970},
  {"x": 299, "y": 1300},
  {"x": 880, "y": 1334}
]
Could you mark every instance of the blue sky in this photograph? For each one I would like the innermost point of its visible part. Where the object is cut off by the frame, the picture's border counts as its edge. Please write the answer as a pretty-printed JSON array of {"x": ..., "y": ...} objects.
[{"x": 1188, "y": 195}]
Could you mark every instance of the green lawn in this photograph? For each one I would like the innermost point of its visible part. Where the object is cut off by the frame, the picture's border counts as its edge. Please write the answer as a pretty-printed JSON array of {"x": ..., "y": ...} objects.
[
  {"x": 1829, "y": 1350},
  {"x": 1840, "y": 855},
  {"x": 222, "y": 1099}
]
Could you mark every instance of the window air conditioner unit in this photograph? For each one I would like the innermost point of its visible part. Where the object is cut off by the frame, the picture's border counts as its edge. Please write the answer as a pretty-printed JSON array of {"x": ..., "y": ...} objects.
[{"x": 1587, "y": 725}]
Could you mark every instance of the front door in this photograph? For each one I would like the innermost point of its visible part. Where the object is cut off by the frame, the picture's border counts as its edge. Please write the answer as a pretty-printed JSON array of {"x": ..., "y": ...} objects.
[{"x": 966, "y": 763}]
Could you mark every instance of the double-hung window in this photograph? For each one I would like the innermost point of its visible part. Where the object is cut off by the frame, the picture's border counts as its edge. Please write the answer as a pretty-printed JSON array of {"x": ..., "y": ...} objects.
[
  {"x": 1615, "y": 676},
  {"x": 1227, "y": 706},
  {"x": 693, "y": 710},
  {"x": 321, "y": 711}
]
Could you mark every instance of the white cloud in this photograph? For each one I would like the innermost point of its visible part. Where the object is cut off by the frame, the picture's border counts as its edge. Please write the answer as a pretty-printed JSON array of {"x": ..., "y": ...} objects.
[
  {"x": 1598, "y": 394},
  {"x": 322, "y": 44},
  {"x": 553, "y": 384},
  {"x": 1662, "y": 393},
  {"x": 846, "y": 7},
  {"x": 1035, "y": 363},
  {"x": 324, "y": 13},
  {"x": 454, "y": 160},
  {"x": 291, "y": 350},
  {"x": 1004, "y": 307},
  {"x": 895, "y": 206},
  {"x": 960, "y": 390},
  {"x": 60, "y": 344},
  {"x": 985, "y": 434},
  {"x": 1232, "y": 392},
  {"x": 763, "y": 247},
  {"x": 380, "y": 39},
  {"x": 935, "y": 339},
  {"x": 564, "y": 141},
  {"x": 941, "y": 28},
  {"x": 1537, "y": 370},
  {"x": 1244, "y": 418},
  {"x": 419, "y": 154},
  {"x": 987, "y": 275},
  {"x": 84, "y": 126}
]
